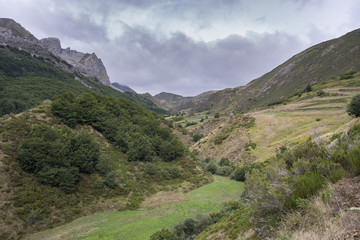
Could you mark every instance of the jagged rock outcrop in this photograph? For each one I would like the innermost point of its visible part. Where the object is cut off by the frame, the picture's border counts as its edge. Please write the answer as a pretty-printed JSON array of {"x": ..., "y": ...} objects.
[
  {"x": 13, "y": 34},
  {"x": 88, "y": 64}
]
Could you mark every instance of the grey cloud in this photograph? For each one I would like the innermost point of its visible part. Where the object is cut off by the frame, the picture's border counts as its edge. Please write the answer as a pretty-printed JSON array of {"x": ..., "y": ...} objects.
[{"x": 181, "y": 65}]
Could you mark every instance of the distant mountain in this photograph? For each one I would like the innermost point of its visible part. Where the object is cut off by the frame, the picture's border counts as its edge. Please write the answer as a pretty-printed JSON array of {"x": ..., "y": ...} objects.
[
  {"x": 320, "y": 62},
  {"x": 174, "y": 102},
  {"x": 13, "y": 34},
  {"x": 122, "y": 88}
]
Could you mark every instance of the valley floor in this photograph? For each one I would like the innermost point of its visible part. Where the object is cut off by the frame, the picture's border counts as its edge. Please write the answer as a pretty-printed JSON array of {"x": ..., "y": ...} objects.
[{"x": 141, "y": 224}]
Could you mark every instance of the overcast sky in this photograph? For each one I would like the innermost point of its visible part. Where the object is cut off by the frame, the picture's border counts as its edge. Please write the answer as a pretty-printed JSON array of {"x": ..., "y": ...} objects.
[{"x": 186, "y": 46}]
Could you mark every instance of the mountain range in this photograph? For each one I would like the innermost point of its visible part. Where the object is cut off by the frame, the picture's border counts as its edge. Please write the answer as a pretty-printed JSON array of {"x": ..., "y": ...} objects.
[{"x": 315, "y": 64}]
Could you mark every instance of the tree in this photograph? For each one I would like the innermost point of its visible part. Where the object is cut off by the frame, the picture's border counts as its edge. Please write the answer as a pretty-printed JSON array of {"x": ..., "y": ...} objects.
[
  {"x": 140, "y": 149},
  {"x": 224, "y": 162},
  {"x": 308, "y": 88},
  {"x": 353, "y": 108},
  {"x": 211, "y": 168},
  {"x": 169, "y": 151},
  {"x": 65, "y": 107},
  {"x": 85, "y": 152}
]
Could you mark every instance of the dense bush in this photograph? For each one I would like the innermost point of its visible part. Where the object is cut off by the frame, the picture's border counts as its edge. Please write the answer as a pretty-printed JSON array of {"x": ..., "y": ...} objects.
[
  {"x": 135, "y": 130},
  {"x": 197, "y": 137},
  {"x": 212, "y": 167},
  {"x": 224, "y": 162},
  {"x": 191, "y": 227},
  {"x": 354, "y": 106},
  {"x": 57, "y": 156},
  {"x": 289, "y": 178},
  {"x": 347, "y": 75}
]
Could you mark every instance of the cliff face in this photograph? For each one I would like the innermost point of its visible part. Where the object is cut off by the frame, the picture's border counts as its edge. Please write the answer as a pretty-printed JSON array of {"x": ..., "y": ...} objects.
[
  {"x": 88, "y": 64},
  {"x": 13, "y": 34}
]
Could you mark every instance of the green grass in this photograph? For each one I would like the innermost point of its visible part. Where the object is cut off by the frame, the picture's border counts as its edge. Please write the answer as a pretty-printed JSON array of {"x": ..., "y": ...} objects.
[{"x": 141, "y": 224}]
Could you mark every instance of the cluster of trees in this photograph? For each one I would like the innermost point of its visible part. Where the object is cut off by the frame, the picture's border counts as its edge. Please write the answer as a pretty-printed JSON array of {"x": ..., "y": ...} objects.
[
  {"x": 57, "y": 156},
  {"x": 225, "y": 168},
  {"x": 135, "y": 130}
]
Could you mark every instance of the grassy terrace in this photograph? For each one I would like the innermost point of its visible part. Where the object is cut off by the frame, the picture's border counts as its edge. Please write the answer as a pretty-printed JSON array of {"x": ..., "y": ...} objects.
[
  {"x": 297, "y": 120},
  {"x": 141, "y": 224}
]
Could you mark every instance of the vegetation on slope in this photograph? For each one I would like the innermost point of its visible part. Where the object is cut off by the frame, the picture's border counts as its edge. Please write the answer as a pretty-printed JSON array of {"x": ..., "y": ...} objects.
[
  {"x": 27, "y": 80},
  {"x": 141, "y": 224},
  {"x": 314, "y": 65},
  {"x": 112, "y": 157},
  {"x": 285, "y": 183}
]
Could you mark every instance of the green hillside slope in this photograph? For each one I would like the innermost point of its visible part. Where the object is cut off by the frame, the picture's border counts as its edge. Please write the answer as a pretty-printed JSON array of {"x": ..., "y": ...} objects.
[
  {"x": 25, "y": 81},
  {"x": 315, "y": 64},
  {"x": 85, "y": 154}
]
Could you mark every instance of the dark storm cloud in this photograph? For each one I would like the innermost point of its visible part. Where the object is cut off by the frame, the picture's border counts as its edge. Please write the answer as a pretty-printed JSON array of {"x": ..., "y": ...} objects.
[{"x": 181, "y": 65}]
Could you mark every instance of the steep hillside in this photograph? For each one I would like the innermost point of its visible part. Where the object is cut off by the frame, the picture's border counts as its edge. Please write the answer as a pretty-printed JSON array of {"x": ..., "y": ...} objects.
[
  {"x": 263, "y": 132},
  {"x": 85, "y": 154},
  {"x": 25, "y": 81},
  {"x": 315, "y": 64}
]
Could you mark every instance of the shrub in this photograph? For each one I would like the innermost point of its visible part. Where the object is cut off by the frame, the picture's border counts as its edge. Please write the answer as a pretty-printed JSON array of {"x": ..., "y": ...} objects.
[
  {"x": 305, "y": 186},
  {"x": 163, "y": 234},
  {"x": 197, "y": 137},
  {"x": 190, "y": 124},
  {"x": 354, "y": 159},
  {"x": 224, "y": 162},
  {"x": 217, "y": 115},
  {"x": 320, "y": 93},
  {"x": 250, "y": 145},
  {"x": 149, "y": 169},
  {"x": 212, "y": 168},
  {"x": 239, "y": 174},
  {"x": 353, "y": 108},
  {"x": 308, "y": 88},
  {"x": 347, "y": 75},
  {"x": 171, "y": 173},
  {"x": 354, "y": 131},
  {"x": 115, "y": 179},
  {"x": 224, "y": 171}
]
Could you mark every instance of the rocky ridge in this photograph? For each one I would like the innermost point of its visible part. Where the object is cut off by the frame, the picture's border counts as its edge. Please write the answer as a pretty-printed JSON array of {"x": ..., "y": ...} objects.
[{"x": 13, "y": 34}]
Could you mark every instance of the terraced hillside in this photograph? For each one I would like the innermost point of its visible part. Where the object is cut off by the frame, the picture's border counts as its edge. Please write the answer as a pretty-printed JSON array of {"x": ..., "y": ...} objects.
[{"x": 320, "y": 113}]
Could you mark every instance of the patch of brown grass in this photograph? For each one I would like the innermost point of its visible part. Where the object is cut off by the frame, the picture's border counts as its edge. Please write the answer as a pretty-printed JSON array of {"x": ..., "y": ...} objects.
[{"x": 163, "y": 198}]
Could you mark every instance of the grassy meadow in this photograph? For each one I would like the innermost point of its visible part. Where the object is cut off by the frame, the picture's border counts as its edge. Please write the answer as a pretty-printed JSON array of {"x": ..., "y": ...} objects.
[{"x": 141, "y": 224}]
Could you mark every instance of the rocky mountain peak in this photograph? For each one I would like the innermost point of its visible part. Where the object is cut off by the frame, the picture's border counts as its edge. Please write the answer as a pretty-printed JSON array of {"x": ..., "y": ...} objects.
[
  {"x": 13, "y": 30},
  {"x": 13, "y": 34}
]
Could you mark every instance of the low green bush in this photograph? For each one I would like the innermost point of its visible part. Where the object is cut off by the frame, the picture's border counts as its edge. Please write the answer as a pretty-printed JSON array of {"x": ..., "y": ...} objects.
[{"x": 353, "y": 108}]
